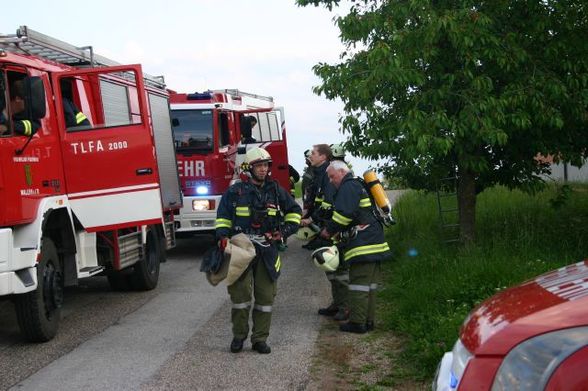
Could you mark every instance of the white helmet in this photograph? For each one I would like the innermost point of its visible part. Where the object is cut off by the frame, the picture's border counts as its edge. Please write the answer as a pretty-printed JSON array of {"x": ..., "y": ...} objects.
[
  {"x": 337, "y": 151},
  {"x": 254, "y": 156},
  {"x": 326, "y": 258},
  {"x": 306, "y": 233}
]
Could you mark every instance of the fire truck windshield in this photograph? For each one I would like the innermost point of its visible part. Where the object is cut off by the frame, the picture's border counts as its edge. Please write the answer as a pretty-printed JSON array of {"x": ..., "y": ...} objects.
[{"x": 193, "y": 130}]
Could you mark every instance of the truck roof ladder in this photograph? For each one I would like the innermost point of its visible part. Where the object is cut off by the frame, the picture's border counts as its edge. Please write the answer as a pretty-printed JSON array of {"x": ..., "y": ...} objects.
[
  {"x": 31, "y": 42},
  {"x": 238, "y": 93}
]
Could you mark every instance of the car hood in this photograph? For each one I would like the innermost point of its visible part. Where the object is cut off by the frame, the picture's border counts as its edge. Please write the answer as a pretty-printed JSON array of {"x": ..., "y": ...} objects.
[{"x": 554, "y": 300}]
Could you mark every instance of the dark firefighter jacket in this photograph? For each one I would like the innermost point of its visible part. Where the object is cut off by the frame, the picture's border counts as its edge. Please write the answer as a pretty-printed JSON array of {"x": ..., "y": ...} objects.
[
  {"x": 73, "y": 115},
  {"x": 307, "y": 177},
  {"x": 322, "y": 192},
  {"x": 24, "y": 126},
  {"x": 353, "y": 217},
  {"x": 256, "y": 210}
]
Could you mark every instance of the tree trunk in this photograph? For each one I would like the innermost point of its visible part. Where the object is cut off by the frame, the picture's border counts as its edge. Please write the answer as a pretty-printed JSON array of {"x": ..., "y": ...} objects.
[{"x": 466, "y": 199}]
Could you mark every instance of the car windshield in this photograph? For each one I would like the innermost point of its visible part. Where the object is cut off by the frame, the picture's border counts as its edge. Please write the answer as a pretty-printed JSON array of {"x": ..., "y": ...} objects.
[{"x": 193, "y": 130}]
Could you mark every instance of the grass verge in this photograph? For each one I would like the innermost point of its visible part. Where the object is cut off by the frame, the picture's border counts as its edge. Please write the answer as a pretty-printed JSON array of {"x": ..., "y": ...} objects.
[{"x": 430, "y": 286}]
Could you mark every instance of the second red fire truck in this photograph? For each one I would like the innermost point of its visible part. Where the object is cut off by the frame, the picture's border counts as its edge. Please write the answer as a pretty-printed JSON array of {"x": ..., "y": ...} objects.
[
  {"x": 211, "y": 135},
  {"x": 95, "y": 196}
]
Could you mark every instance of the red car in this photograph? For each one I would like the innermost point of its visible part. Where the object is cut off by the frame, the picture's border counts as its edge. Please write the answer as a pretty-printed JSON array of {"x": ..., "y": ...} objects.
[{"x": 533, "y": 336}]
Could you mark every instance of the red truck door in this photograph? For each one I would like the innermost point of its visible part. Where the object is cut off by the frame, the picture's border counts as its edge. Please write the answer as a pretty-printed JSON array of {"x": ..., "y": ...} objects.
[
  {"x": 270, "y": 133},
  {"x": 110, "y": 165}
]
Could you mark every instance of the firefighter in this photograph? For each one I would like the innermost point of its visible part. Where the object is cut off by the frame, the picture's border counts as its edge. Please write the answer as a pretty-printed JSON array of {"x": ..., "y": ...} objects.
[
  {"x": 361, "y": 238},
  {"x": 22, "y": 124},
  {"x": 73, "y": 116},
  {"x": 255, "y": 207},
  {"x": 248, "y": 122},
  {"x": 294, "y": 178},
  {"x": 322, "y": 191},
  {"x": 307, "y": 176}
]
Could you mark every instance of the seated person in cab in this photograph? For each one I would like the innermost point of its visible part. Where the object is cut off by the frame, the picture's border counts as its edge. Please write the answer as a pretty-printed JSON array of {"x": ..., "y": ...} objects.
[
  {"x": 73, "y": 116},
  {"x": 20, "y": 121},
  {"x": 247, "y": 124}
]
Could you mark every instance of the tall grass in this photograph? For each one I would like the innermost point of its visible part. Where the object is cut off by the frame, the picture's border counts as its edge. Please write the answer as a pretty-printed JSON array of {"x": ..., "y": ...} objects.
[{"x": 431, "y": 286}]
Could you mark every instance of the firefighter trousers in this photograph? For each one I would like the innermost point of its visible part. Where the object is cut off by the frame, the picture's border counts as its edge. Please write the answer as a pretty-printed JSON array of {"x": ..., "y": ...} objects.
[
  {"x": 254, "y": 280},
  {"x": 339, "y": 280},
  {"x": 363, "y": 283}
]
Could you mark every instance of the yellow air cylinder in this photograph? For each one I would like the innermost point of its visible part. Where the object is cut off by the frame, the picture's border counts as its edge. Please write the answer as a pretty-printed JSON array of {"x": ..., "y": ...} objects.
[{"x": 377, "y": 191}]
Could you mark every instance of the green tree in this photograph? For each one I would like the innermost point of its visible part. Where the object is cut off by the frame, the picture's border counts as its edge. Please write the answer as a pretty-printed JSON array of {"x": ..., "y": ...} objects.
[{"x": 469, "y": 88}]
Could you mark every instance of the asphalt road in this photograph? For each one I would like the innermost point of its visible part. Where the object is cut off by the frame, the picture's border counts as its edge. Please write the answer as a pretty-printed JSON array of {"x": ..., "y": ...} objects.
[{"x": 175, "y": 337}]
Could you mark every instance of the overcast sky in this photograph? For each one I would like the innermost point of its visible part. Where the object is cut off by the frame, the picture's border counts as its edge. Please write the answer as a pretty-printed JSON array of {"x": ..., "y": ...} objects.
[{"x": 267, "y": 47}]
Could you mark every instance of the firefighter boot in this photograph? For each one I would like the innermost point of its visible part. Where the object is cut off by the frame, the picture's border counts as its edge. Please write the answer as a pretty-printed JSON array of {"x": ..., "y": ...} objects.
[
  {"x": 236, "y": 345},
  {"x": 261, "y": 347},
  {"x": 351, "y": 327},
  {"x": 331, "y": 310},
  {"x": 342, "y": 314}
]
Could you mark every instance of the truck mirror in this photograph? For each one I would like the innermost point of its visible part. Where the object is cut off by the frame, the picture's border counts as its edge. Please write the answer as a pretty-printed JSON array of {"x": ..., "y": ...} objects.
[{"x": 36, "y": 96}]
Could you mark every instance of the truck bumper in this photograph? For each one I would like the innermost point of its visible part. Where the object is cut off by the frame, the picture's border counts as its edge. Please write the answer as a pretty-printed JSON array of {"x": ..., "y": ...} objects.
[
  {"x": 198, "y": 214},
  {"x": 21, "y": 281},
  {"x": 17, "y": 271}
]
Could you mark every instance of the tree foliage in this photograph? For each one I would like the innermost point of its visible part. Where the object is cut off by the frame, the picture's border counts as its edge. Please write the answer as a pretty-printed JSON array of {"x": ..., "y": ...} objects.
[{"x": 473, "y": 88}]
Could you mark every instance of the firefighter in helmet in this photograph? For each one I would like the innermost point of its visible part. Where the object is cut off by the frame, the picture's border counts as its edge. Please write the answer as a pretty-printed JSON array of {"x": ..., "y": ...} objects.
[
  {"x": 266, "y": 213},
  {"x": 361, "y": 237},
  {"x": 318, "y": 214}
]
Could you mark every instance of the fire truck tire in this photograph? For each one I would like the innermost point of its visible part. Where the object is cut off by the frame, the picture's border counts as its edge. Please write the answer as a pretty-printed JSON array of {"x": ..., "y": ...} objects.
[
  {"x": 146, "y": 272},
  {"x": 38, "y": 312}
]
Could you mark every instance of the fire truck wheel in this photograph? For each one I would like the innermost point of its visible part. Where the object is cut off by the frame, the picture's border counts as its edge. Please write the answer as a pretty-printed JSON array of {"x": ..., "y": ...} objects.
[
  {"x": 38, "y": 312},
  {"x": 146, "y": 271}
]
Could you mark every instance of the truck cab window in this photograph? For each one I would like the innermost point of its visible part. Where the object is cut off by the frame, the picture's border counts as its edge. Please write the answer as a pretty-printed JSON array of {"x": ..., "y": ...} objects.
[
  {"x": 193, "y": 130},
  {"x": 4, "y": 123},
  {"x": 75, "y": 119},
  {"x": 16, "y": 114}
]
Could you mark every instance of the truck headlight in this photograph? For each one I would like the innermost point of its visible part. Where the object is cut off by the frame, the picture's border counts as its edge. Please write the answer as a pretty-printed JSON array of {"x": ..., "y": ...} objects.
[
  {"x": 529, "y": 365},
  {"x": 461, "y": 357},
  {"x": 200, "y": 205}
]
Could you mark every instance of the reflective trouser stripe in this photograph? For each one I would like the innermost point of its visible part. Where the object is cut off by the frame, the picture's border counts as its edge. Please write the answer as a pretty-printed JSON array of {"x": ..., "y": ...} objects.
[
  {"x": 363, "y": 278},
  {"x": 241, "y": 306},
  {"x": 359, "y": 288},
  {"x": 262, "y": 308},
  {"x": 342, "y": 277},
  {"x": 331, "y": 276}
]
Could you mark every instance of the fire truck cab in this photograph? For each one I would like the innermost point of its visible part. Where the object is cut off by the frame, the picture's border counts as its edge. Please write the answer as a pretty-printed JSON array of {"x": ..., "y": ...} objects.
[
  {"x": 212, "y": 132},
  {"x": 88, "y": 176}
]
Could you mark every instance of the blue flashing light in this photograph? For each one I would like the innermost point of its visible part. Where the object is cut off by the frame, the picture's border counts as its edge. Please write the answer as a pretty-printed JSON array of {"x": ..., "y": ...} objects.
[
  {"x": 201, "y": 190},
  {"x": 199, "y": 96}
]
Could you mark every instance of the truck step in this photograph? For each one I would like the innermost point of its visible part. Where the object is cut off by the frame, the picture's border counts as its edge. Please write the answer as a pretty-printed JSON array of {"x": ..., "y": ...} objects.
[{"x": 90, "y": 271}]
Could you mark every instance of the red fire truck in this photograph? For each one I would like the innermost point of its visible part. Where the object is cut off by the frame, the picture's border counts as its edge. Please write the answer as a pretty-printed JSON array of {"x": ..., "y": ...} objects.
[
  {"x": 93, "y": 197},
  {"x": 211, "y": 135}
]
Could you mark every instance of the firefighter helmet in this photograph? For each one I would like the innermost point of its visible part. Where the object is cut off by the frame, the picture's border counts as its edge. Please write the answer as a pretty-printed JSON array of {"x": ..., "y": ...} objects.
[
  {"x": 326, "y": 258},
  {"x": 255, "y": 156},
  {"x": 338, "y": 151},
  {"x": 306, "y": 233}
]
